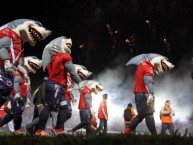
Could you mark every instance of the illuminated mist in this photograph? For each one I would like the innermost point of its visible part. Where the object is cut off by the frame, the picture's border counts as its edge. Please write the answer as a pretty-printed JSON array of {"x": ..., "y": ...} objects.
[{"x": 176, "y": 85}]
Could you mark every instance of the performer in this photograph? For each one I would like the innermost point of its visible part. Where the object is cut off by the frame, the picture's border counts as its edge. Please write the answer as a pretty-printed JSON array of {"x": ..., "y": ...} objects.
[
  {"x": 85, "y": 105},
  {"x": 20, "y": 93},
  {"x": 39, "y": 101},
  {"x": 13, "y": 35},
  {"x": 57, "y": 60},
  {"x": 144, "y": 88},
  {"x": 68, "y": 95}
]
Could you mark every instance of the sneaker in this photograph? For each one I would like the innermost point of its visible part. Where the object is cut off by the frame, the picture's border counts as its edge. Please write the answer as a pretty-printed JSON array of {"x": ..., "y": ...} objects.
[
  {"x": 19, "y": 131},
  {"x": 41, "y": 132},
  {"x": 70, "y": 132},
  {"x": 127, "y": 131},
  {"x": 57, "y": 131}
]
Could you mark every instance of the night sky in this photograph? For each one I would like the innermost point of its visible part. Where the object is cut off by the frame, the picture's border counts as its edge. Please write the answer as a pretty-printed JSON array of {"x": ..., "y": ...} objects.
[
  {"x": 107, "y": 33},
  {"x": 101, "y": 30}
]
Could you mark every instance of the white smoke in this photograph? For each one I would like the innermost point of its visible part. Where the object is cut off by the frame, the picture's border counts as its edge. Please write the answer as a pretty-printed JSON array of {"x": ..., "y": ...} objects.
[{"x": 175, "y": 85}]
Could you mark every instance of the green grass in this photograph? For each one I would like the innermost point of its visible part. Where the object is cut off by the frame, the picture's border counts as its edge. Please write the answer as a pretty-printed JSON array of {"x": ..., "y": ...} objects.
[{"x": 101, "y": 139}]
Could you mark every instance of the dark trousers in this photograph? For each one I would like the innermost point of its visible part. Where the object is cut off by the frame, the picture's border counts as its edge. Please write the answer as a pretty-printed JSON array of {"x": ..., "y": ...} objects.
[
  {"x": 85, "y": 121},
  {"x": 32, "y": 127},
  {"x": 144, "y": 111},
  {"x": 53, "y": 99},
  {"x": 169, "y": 126},
  {"x": 17, "y": 108},
  {"x": 102, "y": 126},
  {"x": 63, "y": 115},
  {"x": 17, "y": 120}
]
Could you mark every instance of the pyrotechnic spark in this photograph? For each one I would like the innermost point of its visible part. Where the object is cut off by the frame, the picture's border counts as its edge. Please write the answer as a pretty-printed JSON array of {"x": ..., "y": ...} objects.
[
  {"x": 131, "y": 43},
  {"x": 167, "y": 45},
  {"x": 81, "y": 46},
  {"x": 114, "y": 42},
  {"x": 152, "y": 27}
]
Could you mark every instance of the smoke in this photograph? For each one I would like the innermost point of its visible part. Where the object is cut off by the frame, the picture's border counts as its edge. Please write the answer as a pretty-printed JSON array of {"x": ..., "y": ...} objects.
[
  {"x": 118, "y": 81},
  {"x": 175, "y": 85},
  {"x": 118, "y": 85}
]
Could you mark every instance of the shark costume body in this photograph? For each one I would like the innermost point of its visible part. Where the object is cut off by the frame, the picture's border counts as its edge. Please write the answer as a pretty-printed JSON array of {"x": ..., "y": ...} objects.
[
  {"x": 58, "y": 62},
  {"x": 13, "y": 35},
  {"x": 144, "y": 89},
  {"x": 85, "y": 105},
  {"x": 20, "y": 93},
  {"x": 70, "y": 98},
  {"x": 39, "y": 100}
]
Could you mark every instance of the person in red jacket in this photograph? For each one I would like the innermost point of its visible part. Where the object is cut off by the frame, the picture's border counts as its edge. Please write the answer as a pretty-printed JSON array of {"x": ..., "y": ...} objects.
[
  {"x": 57, "y": 61},
  {"x": 85, "y": 105},
  {"x": 69, "y": 97},
  {"x": 147, "y": 64},
  {"x": 103, "y": 115},
  {"x": 13, "y": 36}
]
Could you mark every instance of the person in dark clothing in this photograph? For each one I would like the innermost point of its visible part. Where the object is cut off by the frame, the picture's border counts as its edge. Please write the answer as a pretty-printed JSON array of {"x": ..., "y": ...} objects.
[
  {"x": 129, "y": 114},
  {"x": 38, "y": 101}
]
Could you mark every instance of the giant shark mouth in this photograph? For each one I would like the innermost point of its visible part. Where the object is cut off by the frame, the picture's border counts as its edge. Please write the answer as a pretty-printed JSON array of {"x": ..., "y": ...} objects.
[
  {"x": 164, "y": 66},
  {"x": 69, "y": 45},
  {"x": 33, "y": 66},
  {"x": 81, "y": 74},
  {"x": 98, "y": 88},
  {"x": 34, "y": 34}
]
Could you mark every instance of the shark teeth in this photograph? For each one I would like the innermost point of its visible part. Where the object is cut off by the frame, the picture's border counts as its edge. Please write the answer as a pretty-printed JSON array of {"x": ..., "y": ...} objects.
[
  {"x": 164, "y": 66},
  {"x": 81, "y": 74},
  {"x": 98, "y": 88},
  {"x": 34, "y": 66},
  {"x": 35, "y": 35}
]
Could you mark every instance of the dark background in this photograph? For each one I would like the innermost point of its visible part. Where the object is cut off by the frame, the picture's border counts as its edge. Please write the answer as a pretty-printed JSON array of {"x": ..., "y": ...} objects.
[
  {"x": 101, "y": 30},
  {"x": 107, "y": 33}
]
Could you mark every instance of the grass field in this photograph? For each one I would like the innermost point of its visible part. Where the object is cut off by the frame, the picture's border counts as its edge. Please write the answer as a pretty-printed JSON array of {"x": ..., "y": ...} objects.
[{"x": 101, "y": 139}]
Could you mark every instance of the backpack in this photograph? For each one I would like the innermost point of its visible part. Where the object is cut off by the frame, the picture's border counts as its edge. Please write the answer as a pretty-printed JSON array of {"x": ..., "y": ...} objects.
[{"x": 127, "y": 115}]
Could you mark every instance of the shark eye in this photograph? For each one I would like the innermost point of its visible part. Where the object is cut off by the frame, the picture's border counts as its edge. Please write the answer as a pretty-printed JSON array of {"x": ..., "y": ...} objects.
[
  {"x": 38, "y": 23},
  {"x": 83, "y": 68},
  {"x": 34, "y": 57}
]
